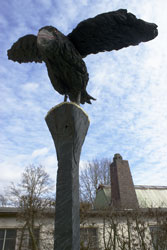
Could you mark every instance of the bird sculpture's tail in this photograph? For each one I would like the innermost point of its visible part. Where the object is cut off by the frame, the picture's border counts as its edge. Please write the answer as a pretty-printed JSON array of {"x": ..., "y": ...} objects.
[{"x": 85, "y": 97}]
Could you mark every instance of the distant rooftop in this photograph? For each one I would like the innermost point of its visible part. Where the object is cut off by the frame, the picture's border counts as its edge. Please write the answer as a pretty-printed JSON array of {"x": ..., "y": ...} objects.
[
  {"x": 148, "y": 196},
  {"x": 12, "y": 211},
  {"x": 8, "y": 211}
]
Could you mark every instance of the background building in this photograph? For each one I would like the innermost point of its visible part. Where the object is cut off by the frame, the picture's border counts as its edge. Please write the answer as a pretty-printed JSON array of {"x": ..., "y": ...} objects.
[{"x": 124, "y": 217}]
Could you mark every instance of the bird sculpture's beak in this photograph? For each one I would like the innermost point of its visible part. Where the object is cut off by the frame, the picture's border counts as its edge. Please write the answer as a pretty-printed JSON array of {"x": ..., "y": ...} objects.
[{"x": 44, "y": 36}]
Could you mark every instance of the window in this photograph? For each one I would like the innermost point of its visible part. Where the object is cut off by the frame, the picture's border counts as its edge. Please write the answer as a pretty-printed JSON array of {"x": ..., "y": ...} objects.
[
  {"x": 158, "y": 235},
  {"x": 7, "y": 239},
  {"x": 89, "y": 238}
]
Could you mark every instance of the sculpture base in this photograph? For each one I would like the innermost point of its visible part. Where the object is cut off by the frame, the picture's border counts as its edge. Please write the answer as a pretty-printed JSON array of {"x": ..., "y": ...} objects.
[{"x": 68, "y": 125}]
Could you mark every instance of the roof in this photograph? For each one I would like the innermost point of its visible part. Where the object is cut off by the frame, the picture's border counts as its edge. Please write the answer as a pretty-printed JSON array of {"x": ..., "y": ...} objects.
[
  {"x": 12, "y": 211},
  {"x": 148, "y": 196},
  {"x": 8, "y": 211}
]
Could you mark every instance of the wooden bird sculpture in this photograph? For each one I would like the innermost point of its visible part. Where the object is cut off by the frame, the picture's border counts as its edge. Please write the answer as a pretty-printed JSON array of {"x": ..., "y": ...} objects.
[{"x": 63, "y": 54}]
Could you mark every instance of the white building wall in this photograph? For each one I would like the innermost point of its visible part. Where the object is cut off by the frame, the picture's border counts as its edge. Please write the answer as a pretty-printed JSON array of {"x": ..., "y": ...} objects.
[{"x": 104, "y": 226}]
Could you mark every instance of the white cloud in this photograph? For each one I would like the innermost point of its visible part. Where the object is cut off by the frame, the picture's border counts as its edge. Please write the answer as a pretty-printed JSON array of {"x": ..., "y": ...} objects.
[
  {"x": 51, "y": 161},
  {"x": 152, "y": 175},
  {"x": 12, "y": 168},
  {"x": 82, "y": 165},
  {"x": 30, "y": 87},
  {"x": 40, "y": 152}
]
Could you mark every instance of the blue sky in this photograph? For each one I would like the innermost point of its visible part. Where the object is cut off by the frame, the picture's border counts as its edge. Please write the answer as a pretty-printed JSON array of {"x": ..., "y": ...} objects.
[{"x": 130, "y": 114}]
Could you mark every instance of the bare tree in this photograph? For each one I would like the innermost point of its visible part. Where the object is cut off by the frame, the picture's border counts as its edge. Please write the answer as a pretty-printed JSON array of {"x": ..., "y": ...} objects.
[
  {"x": 95, "y": 173},
  {"x": 3, "y": 201},
  {"x": 32, "y": 196}
]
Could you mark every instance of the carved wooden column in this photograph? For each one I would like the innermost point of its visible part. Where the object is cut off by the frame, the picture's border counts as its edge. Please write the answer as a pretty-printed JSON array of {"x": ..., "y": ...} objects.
[{"x": 68, "y": 125}]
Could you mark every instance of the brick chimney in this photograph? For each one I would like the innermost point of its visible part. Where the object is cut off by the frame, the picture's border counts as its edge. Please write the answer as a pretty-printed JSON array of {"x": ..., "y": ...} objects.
[{"x": 123, "y": 193}]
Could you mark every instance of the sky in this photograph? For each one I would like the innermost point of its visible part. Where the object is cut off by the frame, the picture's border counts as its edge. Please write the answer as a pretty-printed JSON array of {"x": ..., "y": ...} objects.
[{"x": 130, "y": 114}]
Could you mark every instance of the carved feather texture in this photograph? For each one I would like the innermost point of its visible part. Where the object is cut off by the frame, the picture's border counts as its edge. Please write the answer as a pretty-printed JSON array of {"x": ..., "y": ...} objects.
[{"x": 111, "y": 31}]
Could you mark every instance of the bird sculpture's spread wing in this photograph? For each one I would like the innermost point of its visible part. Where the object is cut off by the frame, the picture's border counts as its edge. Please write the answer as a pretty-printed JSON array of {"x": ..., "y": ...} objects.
[
  {"x": 111, "y": 31},
  {"x": 25, "y": 50}
]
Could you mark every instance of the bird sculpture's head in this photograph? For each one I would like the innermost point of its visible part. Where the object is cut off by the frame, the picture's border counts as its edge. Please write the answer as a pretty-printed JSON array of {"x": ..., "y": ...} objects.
[{"x": 47, "y": 37}]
